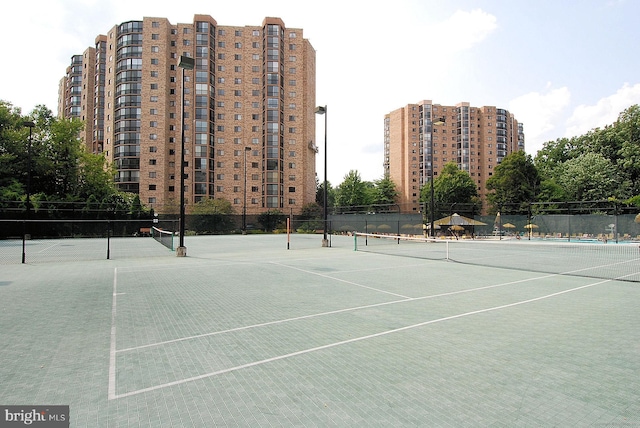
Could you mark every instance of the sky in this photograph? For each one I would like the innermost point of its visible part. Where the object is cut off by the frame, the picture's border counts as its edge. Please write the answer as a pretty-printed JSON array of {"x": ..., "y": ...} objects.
[{"x": 561, "y": 67}]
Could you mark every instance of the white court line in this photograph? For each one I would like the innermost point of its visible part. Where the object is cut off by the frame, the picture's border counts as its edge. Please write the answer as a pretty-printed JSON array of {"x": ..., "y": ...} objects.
[
  {"x": 356, "y": 339},
  {"x": 49, "y": 247},
  {"x": 112, "y": 347},
  {"x": 337, "y": 311},
  {"x": 341, "y": 280}
]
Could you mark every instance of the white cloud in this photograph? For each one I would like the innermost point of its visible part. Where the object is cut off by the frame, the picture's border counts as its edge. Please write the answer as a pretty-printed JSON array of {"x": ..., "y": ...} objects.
[
  {"x": 604, "y": 112},
  {"x": 464, "y": 29},
  {"x": 540, "y": 112}
]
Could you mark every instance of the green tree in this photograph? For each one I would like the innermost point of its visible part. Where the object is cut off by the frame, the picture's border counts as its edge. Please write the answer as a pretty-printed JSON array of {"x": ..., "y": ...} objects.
[
  {"x": 514, "y": 182},
  {"x": 271, "y": 219},
  {"x": 353, "y": 191},
  {"x": 628, "y": 161},
  {"x": 211, "y": 216},
  {"x": 95, "y": 178},
  {"x": 554, "y": 154},
  {"x": 385, "y": 192},
  {"x": 331, "y": 195},
  {"x": 12, "y": 153},
  {"x": 452, "y": 187},
  {"x": 589, "y": 177},
  {"x": 310, "y": 211},
  {"x": 615, "y": 147},
  {"x": 551, "y": 191}
]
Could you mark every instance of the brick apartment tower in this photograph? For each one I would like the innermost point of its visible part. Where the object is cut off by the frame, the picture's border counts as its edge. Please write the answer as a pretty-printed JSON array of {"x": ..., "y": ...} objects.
[
  {"x": 250, "y": 96},
  {"x": 475, "y": 138}
]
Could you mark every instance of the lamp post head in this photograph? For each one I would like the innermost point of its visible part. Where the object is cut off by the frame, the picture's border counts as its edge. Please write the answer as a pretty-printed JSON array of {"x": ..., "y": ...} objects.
[
  {"x": 439, "y": 121},
  {"x": 186, "y": 62},
  {"x": 321, "y": 110},
  {"x": 28, "y": 124}
]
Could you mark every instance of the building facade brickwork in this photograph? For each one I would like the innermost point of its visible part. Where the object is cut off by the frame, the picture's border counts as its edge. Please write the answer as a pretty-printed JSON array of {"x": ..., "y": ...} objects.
[
  {"x": 476, "y": 139},
  {"x": 249, "y": 122}
]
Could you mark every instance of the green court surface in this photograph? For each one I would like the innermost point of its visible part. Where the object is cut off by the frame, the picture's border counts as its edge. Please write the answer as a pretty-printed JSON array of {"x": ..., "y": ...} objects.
[{"x": 245, "y": 332}]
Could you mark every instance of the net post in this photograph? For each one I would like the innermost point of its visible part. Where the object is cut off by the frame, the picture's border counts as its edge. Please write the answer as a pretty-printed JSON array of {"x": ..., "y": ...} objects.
[
  {"x": 355, "y": 241},
  {"x": 288, "y": 231}
]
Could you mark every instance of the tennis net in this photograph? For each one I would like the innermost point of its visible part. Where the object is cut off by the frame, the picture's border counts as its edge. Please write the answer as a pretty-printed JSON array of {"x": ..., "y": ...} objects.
[
  {"x": 164, "y": 237},
  {"x": 595, "y": 260}
]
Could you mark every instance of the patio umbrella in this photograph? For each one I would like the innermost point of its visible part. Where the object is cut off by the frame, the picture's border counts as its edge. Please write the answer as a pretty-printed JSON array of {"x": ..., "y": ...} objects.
[
  {"x": 497, "y": 221},
  {"x": 457, "y": 219},
  {"x": 530, "y": 227},
  {"x": 509, "y": 226}
]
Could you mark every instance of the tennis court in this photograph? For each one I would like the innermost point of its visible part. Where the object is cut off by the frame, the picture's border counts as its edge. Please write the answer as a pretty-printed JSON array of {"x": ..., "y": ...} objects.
[{"x": 245, "y": 332}]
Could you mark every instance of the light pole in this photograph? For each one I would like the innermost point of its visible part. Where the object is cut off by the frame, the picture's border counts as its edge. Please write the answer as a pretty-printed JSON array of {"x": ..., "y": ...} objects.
[
  {"x": 433, "y": 203},
  {"x": 244, "y": 198},
  {"x": 30, "y": 125},
  {"x": 323, "y": 110},
  {"x": 186, "y": 63}
]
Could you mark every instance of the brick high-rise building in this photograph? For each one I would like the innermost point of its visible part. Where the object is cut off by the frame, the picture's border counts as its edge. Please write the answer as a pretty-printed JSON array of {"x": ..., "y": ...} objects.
[
  {"x": 474, "y": 138},
  {"x": 249, "y": 106}
]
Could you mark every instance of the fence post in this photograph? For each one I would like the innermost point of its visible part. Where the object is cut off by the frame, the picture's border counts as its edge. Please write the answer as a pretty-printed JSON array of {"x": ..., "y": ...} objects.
[
  {"x": 108, "y": 239},
  {"x": 569, "y": 217},
  {"x": 24, "y": 238}
]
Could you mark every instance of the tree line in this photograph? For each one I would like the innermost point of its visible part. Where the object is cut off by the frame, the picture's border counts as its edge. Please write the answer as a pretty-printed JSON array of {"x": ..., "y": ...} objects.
[
  {"x": 50, "y": 163},
  {"x": 603, "y": 164}
]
